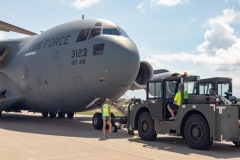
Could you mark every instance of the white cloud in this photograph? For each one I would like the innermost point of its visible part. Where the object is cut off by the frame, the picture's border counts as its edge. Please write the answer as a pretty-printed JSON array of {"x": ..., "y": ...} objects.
[
  {"x": 166, "y": 2},
  {"x": 81, "y": 4},
  {"x": 154, "y": 3},
  {"x": 141, "y": 7},
  {"x": 219, "y": 52},
  {"x": 236, "y": 86},
  {"x": 221, "y": 35},
  {"x": 221, "y": 45},
  {"x": 224, "y": 60}
]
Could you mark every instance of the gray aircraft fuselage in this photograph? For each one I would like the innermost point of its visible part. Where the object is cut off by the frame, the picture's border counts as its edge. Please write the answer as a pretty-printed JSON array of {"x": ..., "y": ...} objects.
[{"x": 65, "y": 68}]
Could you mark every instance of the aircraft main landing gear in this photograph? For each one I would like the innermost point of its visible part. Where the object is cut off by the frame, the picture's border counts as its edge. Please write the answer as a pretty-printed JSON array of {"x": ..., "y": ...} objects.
[
  {"x": 61, "y": 114},
  {"x": 70, "y": 114},
  {"x": 44, "y": 114},
  {"x": 54, "y": 114}
]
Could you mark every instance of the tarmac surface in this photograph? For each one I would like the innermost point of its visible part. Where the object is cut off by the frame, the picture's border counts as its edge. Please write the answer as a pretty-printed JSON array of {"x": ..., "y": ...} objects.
[{"x": 30, "y": 137}]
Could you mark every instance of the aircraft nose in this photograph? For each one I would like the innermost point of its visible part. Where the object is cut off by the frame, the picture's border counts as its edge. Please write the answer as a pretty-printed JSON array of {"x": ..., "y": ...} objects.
[{"x": 123, "y": 61}]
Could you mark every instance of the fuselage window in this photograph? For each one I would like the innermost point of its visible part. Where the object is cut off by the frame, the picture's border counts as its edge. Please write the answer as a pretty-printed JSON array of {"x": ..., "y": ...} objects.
[
  {"x": 83, "y": 35},
  {"x": 94, "y": 32},
  {"x": 111, "y": 31}
]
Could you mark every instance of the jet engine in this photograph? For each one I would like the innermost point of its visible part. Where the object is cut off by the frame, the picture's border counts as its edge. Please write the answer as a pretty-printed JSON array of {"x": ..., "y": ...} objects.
[{"x": 145, "y": 74}]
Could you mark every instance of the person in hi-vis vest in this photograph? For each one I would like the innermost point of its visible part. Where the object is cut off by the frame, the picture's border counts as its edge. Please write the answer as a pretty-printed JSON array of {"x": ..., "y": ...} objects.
[{"x": 106, "y": 116}]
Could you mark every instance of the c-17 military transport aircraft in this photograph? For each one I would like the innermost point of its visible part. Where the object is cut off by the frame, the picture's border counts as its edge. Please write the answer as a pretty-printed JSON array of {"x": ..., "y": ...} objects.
[{"x": 68, "y": 68}]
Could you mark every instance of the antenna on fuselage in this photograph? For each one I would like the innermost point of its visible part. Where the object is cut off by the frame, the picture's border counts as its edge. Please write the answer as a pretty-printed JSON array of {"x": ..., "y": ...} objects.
[{"x": 83, "y": 16}]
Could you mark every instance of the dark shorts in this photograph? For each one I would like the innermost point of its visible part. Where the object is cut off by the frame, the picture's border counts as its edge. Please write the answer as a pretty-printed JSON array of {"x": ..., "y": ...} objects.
[{"x": 173, "y": 106}]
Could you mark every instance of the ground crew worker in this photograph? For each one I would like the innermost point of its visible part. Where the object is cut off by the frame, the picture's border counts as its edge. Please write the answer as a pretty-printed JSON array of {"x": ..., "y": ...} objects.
[
  {"x": 106, "y": 116},
  {"x": 177, "y": 101}
]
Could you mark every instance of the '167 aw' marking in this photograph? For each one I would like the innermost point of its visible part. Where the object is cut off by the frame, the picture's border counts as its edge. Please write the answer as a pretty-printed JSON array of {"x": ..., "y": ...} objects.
[{"x": 80, "y": 61}]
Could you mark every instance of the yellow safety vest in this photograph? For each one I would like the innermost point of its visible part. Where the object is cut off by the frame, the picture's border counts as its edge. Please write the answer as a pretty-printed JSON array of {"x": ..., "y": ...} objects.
[
  {"x": 105, "y": 110},
  {"x": 177, "y": 98}
]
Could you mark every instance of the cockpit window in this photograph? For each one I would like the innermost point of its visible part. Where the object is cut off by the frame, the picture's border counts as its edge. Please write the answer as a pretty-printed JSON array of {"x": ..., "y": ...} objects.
[
  {"x": 83, "y": 35},
  {"x": 123, "y": 33},
  {"x": 94, "y": 32},
  {"x": 111, "y": 31}
]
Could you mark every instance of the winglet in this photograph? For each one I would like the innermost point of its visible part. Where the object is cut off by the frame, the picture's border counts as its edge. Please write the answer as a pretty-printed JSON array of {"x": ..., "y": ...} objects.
[{"x": 8, "y": 27}]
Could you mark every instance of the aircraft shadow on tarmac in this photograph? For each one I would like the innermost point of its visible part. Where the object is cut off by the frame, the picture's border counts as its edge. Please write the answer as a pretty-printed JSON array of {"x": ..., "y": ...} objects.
[
  {"x": 178, "y": 145},
  {"x": 73, "y": 127}
]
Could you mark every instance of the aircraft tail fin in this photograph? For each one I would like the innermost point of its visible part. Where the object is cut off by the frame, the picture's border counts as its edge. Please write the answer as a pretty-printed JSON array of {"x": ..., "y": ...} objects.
[{"x": 9, "y": 27}]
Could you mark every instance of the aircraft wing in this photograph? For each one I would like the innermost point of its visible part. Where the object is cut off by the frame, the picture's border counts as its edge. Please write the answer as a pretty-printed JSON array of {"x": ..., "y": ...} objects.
[{"x": 8, "y": 27}]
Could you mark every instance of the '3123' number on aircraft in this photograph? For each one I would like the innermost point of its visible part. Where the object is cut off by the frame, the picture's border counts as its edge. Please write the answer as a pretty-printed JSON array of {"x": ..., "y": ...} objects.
[{"x": 78, "y": 53}]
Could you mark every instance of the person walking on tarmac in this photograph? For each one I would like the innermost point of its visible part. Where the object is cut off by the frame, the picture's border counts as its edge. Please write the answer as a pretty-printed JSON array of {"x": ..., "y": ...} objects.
[
  {"x": 106, "y": 116},
  {"x": 177, "y": 101}
]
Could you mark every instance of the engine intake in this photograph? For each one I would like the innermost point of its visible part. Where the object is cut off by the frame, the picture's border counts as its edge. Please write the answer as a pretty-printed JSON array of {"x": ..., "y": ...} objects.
[{"x": 145, "y": 74}]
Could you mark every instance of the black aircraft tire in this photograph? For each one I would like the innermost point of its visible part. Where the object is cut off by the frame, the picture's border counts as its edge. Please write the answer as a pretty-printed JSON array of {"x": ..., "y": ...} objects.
[
  {"x": 237, "y": 143},
  {"x": 52, "y": 114},
  {"x": 44, "y": 114},
  {"x": 197, "y": 133},
  {"x": 97, "y": 121},
  {"x": 61, "y": 114},
  {"x": 114, "y": 128},
  {"x": 70, "y": 114},
  {"x": 0, "y": 114},
  {"x": 146, "y": 127}
]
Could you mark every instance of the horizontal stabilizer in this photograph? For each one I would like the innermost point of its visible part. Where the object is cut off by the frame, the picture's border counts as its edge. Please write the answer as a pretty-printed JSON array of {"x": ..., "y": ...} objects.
[{"x": 8, "y": 27}]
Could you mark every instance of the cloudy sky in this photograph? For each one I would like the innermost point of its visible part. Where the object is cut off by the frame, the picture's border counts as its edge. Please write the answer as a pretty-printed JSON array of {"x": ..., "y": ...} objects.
[{"x": 200, "y": 37}]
